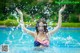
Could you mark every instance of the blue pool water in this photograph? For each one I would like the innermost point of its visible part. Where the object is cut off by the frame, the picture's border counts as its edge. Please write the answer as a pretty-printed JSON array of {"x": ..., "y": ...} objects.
[{"x": 66, "y": 40}]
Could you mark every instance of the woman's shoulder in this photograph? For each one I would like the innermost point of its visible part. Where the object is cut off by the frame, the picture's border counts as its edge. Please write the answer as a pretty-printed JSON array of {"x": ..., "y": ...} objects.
[{"x": 35, "y": 34}]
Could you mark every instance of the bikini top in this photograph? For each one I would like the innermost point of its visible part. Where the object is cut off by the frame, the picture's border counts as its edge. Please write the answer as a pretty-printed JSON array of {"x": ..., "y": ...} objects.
[{"x": 44, "y": 42}]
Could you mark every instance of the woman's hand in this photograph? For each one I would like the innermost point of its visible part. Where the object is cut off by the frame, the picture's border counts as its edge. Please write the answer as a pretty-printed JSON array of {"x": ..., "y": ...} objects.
[
  {"x": 21, "y": 15},
  {"x": 19, "y": 11},
  {"x": 62, "y": 9}
]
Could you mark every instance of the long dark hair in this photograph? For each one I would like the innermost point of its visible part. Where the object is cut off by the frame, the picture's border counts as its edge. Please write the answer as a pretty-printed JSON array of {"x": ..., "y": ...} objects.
[{"x": 45, "y": 26}]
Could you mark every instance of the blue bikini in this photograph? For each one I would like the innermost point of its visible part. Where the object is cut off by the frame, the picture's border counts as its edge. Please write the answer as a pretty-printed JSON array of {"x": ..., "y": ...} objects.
[{"x": 36, "y": 43}]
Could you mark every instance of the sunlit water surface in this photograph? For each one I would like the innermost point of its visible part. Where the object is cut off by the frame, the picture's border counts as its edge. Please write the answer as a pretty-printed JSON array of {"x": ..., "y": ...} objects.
[{"x": 66, "y": 40}]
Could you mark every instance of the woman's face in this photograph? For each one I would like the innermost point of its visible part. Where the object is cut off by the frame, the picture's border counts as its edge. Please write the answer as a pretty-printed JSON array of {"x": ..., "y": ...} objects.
[{"x": 41, "y": 27}]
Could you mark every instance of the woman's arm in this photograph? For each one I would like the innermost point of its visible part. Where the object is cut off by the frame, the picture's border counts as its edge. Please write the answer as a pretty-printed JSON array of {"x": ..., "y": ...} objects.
[
  {"x": 22, "y": 23},
  {"x": 59, "y": 21}
]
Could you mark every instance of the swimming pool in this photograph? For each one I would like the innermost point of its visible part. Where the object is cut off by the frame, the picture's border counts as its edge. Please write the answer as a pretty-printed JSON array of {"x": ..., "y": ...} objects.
[{"x": 66, "y": 40}]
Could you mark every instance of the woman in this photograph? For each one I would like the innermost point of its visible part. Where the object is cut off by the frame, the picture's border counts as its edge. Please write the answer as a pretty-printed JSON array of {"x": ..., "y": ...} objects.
[{"x": 42, "y": 34}]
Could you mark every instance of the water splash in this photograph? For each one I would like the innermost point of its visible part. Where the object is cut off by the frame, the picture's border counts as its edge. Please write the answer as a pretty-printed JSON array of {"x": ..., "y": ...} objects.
[
  {"x": 15, "y": 15},
  {"x": 21, "y": 37}
]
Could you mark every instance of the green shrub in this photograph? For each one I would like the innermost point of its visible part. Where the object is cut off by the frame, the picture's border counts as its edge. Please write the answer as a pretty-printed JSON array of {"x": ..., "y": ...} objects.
[
  {"x": 10, "y": 22},
  {"x": 73, "y": 18},
  {"x": 70, "y": 24},
  {"x": 2, "y": 22},
  {"x": 33, "y": 24},
  {"x": 66, "y": 24}
]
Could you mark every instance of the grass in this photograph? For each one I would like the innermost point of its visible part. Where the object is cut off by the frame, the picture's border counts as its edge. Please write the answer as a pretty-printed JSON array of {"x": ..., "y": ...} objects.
[
  {"x": 70, "y": 24},
  {"x": 10, "y": 22},
  {"x": 67, "y": 25}
]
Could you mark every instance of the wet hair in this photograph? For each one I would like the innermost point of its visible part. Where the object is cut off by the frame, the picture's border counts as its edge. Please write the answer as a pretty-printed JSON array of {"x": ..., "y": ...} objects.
[{"x": 45, "y": 25}]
